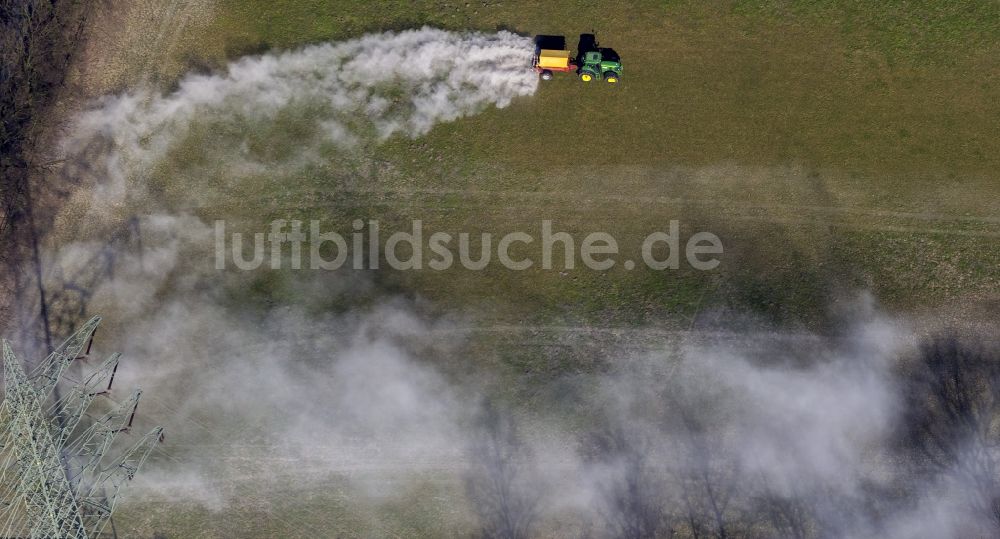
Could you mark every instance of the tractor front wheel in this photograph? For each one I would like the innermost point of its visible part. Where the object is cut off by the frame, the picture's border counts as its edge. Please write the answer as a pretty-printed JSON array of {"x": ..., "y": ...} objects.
[
  {"x": 611, "y": 76},
  {"x": 586, "y": 77},
  {"x": 546, "y": 75}
]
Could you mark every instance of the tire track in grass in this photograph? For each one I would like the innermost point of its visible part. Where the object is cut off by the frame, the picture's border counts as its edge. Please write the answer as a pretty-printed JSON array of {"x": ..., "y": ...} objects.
[{"x": 506, "y": 201}]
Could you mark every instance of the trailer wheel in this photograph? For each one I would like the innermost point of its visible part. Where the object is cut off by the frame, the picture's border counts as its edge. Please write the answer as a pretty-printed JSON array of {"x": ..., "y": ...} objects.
[
  {"x": 611, "y": 76},
  {"x": 546, "y": 74},
  {"x": 586, "y": 77}
]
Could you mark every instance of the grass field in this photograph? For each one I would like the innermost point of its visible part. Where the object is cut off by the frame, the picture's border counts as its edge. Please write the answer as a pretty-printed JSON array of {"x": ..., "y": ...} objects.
[
  {"x": 830, "y": 147},
  {"x": 834, "y": 147}
]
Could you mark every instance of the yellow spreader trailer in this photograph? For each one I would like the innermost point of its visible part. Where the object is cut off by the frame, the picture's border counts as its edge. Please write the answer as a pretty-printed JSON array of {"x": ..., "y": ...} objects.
[{"x": 549, "y": 60}]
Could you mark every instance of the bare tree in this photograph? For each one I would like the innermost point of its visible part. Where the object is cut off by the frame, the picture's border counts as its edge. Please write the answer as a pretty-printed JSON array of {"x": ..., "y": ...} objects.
[
  {"x": 953, "y": 405},
  {"x": 499, "y": 484},
  {"x": 635, "y": 505},
  {"x": 788, "y": 515},
  {"x": 705, "y": 473}
]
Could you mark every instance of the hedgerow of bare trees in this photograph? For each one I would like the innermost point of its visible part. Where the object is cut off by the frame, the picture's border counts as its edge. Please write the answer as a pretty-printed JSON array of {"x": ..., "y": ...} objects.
[
  {"x": 37, "y": 41},
  {"x": 688, "y": 476}
]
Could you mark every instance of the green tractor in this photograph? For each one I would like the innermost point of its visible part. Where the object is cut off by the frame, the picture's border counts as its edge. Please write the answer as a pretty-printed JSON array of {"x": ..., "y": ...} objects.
[{"x": 601, "y": 64}]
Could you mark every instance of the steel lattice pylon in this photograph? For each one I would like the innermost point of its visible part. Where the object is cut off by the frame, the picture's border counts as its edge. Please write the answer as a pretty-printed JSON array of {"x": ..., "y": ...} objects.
[{"x": 55, "y": 481}]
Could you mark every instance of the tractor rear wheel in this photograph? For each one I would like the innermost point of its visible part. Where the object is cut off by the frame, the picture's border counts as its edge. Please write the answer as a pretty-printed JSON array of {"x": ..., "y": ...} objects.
[
  {"x": 546, "y": 74},
  {"x": 611, "y": 76},
  {"x": 586, "y": 77}
]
